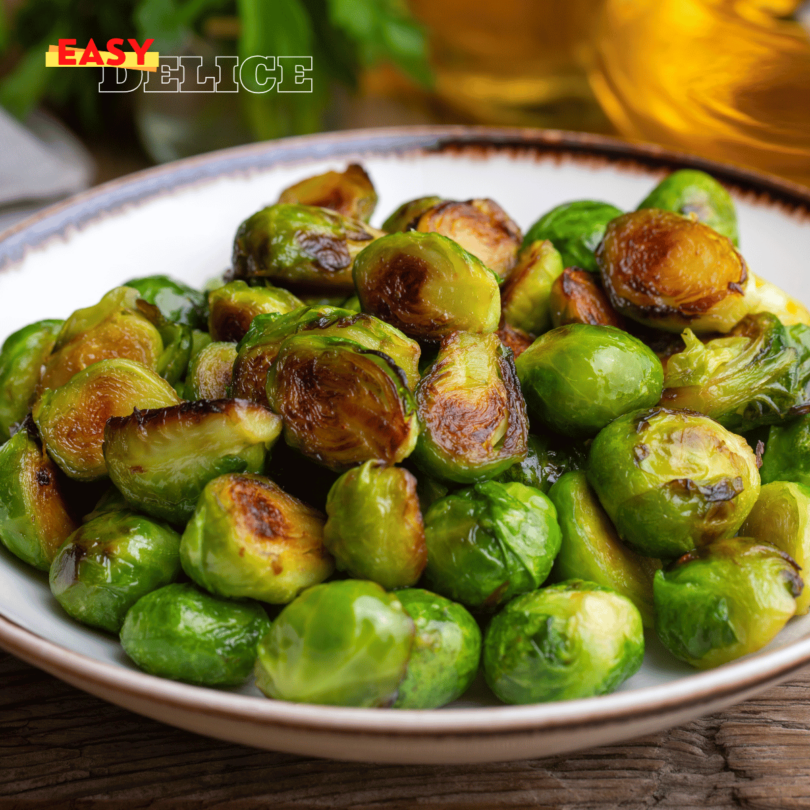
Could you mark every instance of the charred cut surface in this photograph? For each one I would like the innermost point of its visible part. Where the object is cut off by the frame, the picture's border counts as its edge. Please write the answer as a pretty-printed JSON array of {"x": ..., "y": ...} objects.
[
  {"x": 250, "y": 373},
  {"x": 329, "y": 253},
  {"x": 257, "y": 506},
  {"x": 350, "y": 193},
  {"x": 576, "y": 297},
  {"x": 513, "y": 338},
  {"x": 190, "y": 413},
  {"x": 229, "y": 321}
]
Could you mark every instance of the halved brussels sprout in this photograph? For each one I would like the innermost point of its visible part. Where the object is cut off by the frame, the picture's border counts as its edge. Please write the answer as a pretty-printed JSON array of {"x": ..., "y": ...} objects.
[
  {"x": 249, "y": 538},
  {"x": 781, "y": 517},
  {"x": 427, "y": 286},
  {"x": 21, "y": 359},
  {"x": 670, "y": 272},
  {"x": 692, "y": 192},
  {"x": 725, "y": 600},
  {"x": 350, "y": 192},
  {"x": 547, "y": 459},
  {"x": 408, "y": 213},
  {"x": 513, "y": 338},
  {"x": 787, "y": 453},
  {"x": 113, "y": 328},
  {"x": 578, "y": 378},
  {"x": 233, "y": 307},
  {"x": 109, "y": 563},
  {"x": 162, "y": 459},
  {"x": 181, "y": 633},
  {"x": 342, "y": 404},
  {"x": 567, "y": 641},
  {"x": 34, "y": 515},
  {"x": 211, "y": 371},
  {"x": 672, "y": 480},
  {"x": 345, "y": 643},
  {"x": 490, "y": 542},
  {"x": 375, "y": 529},
  {"x": 592, "y": 550},
  {"x": 525, "y": 296},
  {"x": 471, "y": 412},
  {"x": 762, "y": 296},
  {"x": 577, "y": 297},
  {"x": 575, "y": 229},
  {"x": 445, "y": 654},
  {"x": 177, "y": 301},
  {"x": 480, "y": 226},
  {"x": 71, "y": 419},
  {"x": 301, "y": 245}
]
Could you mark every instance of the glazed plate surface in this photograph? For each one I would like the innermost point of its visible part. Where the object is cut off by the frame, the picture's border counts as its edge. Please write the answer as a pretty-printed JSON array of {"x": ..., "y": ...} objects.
[{"x": 180, "y": 220}]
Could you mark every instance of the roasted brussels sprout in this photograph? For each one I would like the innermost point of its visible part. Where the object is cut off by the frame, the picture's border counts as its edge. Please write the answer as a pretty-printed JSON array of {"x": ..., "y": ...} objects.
[
  {"x": 351, "y": 192},
  {"x": 71, "y": 419},
  {"x": 787, "y": 453},
  {"x": 408, "y": 213},
  {"x": 113, "y": 328},
  {"x": 781, "y": 516},
  {"x": 109, "y": 563},
  {"x": 575, "y": 229},
  {"x": 762, "y": 296},
  {"x": 470, "y": 410},
  {"x": 345, "y": 643},
  {"x": 375, "y": 528},
  {"x": 490, "y": 542},
  {"x": 352, "y": 303},
  {"x": 445, "y": 654},
  {"x": 178, "y": 342},
  {"x": 525, "y": 296},
  {"x": 21, "y": 359},
  {"x": 577, "y": 297},
  {"x": 233, "y": 307},
  {"x": 250, "y": 538},
  {"x": 34, "y": 515},
  {"x": 571, "y": 640},
  {"x": 670, "y": 272},
  {"x": 672, "y": 480},
  {"x": 725, "y": 600},
  {"x": 591, "y": 549},
  {"x": 578, "y": 378},
  {"x": 300, "y": 245},
  {"x": 513, "y": 338},
  {"x": 177, "y": 301},
  {"x": 181, "y": 633},
  {"x": 547, "y": 459},
  {"x": 692, "y": 192},
  {"x": 211, "y": 371},
  {"x": 427, "y": 286},
  {"x": 162, "y": 459},
  {"x": 342, "y": 404}
]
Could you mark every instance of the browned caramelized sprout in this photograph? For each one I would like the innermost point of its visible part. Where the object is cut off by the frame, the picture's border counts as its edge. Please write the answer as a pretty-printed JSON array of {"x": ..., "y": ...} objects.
[
  {"x": 350, "y": 193},
  {"x": 210, "y": 372},
  {"x": 408, "y": 213},
  {"x": 515, "y": 339},
  {"x": 233, "y": 307},
  {"x": 525, "y": 294},
  {"x": 577, "y": 297}
]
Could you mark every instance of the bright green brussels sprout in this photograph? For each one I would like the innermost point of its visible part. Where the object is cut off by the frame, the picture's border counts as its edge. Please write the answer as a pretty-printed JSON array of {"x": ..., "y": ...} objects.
[
  {"x": 114, "y": 328},
  {"x": 345, "y": 643},
  {"x": 575, "y": 229},
  {"x": 301, "y": 245},
  {"x": 178, "y": 342},
  {"x": 578, "y": 378},
  {"x": 689, "y": 191},
  {"x": 781, "y": 517},
  {"x": 427, "y": 286},
  {"x": 669, "y": 272},
  {"x": 572, "y": 640},
  {"x": 109, "y": 563},
  {"x": 34, "y": 515},
  {"x": 787, "y": 453},
  {"x": 181, "y": 633},
  {"x": 71, "y": 419},
  {"x": 445, "y": 654},
  {"x": 525, "y": 295},
  {"x": 408, "y": 213},
  {"x": 375, "y": 528},
  {"x": 342, "y": 404},
  {"x": 490, "y": 542},
  {"x": 249, "y": 538},
  {"x": 21, "y": 359},
  {"x": 352, "y": 303},
  {"x": 725, "y": 600},
  {"x": 211, "y": 371},
  {"x": 577, "y": 297},
  {"x": 672, "y": 480},
  {"x": 199, "y": 340},
  {"x": 350, "y": 192},
  {"x": 471, "y": 411},
  {"x": 591, "y": 549},
  {"x": 162, "y": 459},
  {"x": 546, "y": 460},
  {"x": 177, "y": 301},
  {"x": 233, "y": 307}
]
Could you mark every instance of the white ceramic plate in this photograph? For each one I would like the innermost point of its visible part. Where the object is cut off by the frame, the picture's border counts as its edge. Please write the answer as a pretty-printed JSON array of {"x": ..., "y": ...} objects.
[{"x": 180, "y": 220}]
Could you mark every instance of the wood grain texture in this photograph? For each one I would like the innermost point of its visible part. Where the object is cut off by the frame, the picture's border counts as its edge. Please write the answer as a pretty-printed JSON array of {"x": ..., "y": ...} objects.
[{"x": 61, "y": 746}]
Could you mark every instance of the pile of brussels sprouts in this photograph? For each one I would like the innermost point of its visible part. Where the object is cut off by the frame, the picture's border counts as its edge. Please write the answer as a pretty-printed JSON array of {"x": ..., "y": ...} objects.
[{"x": 367, "y": 461}]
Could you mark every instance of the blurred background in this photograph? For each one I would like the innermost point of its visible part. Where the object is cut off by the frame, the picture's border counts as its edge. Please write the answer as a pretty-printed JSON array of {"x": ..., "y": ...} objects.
[{"x": 726, "y": 79}]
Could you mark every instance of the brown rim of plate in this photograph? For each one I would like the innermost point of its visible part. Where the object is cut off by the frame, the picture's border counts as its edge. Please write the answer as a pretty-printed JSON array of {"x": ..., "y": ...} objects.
[{"x": 695, "y": 690}]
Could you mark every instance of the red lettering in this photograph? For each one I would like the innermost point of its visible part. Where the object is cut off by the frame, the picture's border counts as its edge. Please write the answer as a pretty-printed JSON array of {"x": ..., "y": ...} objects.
[
  {"x": 64, "y": 58},
  {"x": 112, "y": 47},
  {"x": 91, "y": 55},
  {"x": 141, "y": 49}
]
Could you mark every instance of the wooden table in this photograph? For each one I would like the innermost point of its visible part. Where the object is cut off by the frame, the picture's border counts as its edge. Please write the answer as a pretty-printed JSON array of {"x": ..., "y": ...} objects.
[{"x": 60, "y": 746}]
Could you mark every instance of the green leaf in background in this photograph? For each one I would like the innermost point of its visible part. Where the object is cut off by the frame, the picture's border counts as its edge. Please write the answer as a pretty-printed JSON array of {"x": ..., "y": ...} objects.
[{"x": 170, "y": 22}]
